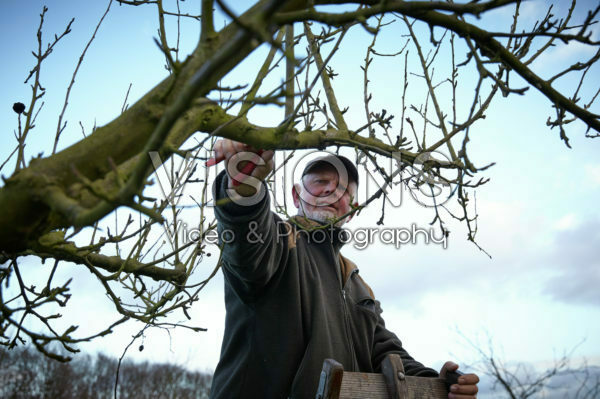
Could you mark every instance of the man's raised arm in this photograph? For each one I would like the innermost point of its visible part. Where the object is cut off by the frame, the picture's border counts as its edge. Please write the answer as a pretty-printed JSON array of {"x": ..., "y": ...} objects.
[{"x": 253, "y": 247}]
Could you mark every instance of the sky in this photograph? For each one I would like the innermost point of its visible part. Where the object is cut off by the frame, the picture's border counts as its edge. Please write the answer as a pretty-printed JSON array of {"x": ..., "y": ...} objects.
[{"x": 536, "y": 298}]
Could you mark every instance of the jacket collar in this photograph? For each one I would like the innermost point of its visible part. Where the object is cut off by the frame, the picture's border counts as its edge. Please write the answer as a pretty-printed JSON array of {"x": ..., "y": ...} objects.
[{"x": 321, "y": 232}]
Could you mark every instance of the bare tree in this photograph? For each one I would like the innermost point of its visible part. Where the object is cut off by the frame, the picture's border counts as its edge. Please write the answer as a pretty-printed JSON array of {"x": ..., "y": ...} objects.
[
  {"x": 26, "y": 373},
  {"x": 60, "y": 208},
  {"x": 522, "y": 380}
]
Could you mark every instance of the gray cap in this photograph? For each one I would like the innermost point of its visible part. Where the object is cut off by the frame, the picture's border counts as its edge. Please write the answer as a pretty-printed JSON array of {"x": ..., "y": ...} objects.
[{"x": 336, "y": 161}]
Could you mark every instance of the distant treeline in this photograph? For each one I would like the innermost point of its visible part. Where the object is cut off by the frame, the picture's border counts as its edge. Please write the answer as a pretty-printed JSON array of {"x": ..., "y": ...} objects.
[{"x": 26, "y": 373}]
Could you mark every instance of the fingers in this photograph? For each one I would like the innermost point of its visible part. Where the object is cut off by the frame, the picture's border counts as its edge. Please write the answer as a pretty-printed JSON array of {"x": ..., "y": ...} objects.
[
  {"x": 448, "y": 366},
  {"x": 455, "y": 396},
  {"x": 466, "y": 387},
  {"x": 268, "y": 155},
  {"x": 459, "y": 389},
  {"x": 218, "y": 154},
  {"x": 262, "y": 169},
  {"x": 224, "y": 149},
  {"x": 228, "y": 149},
  {"x": 257, "y": 165},
  {"x": 468, "y": 379},
  {"x": 451, "y": 366},
  {"x": 241, "y": 163},
  {"x": 467, "y": 383},
  {"x": 252, "y": 160}
]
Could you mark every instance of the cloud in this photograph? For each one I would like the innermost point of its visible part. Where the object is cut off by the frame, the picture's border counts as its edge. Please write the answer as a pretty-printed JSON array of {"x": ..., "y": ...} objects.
[
  {"x": 508, "y": 230},
  {"x": 576, "y": 276},
  {"x": 533, "y": 254},
  {"x": 567, "y": 222},
  {"x": 592, "y": 174}
]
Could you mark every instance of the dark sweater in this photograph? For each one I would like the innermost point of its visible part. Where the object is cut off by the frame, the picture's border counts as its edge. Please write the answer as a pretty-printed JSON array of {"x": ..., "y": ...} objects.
[{"x": 292, "y": 301}]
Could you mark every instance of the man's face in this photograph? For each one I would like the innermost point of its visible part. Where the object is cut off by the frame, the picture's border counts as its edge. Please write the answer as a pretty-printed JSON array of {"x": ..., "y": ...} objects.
[{"x": 321, "y": 196}]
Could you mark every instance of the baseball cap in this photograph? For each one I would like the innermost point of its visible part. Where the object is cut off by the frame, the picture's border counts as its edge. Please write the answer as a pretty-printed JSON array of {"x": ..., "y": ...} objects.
[{"x": 336, "y": 161}]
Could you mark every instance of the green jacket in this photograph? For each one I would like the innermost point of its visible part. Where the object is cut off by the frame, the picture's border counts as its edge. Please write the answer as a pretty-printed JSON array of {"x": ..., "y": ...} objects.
[{"x": 292, "y": 301}]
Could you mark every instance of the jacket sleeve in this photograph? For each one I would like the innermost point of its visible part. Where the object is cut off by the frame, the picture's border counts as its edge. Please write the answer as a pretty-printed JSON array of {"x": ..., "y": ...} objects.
[
  {"x": 253, "y": 240},
  {"x": 386, "y": 342}
]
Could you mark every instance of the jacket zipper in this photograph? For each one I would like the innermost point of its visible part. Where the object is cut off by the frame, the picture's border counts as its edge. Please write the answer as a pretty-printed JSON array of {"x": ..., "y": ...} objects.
[
  {"x": 349, "y": 339},
  {"x": 348, "y": 332},
  {"x": 347, "y": 323}
]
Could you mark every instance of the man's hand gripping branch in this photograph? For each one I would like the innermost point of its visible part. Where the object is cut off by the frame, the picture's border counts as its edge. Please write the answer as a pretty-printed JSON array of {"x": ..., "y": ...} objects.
[{"x": 246, "y": 166}]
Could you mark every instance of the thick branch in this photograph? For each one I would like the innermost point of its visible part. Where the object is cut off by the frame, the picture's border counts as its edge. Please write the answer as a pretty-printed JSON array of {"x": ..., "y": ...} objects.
[
  {"x": 208, "y": 28},
  {"x": 378, "y": 7},
  {"x": 144, "y": 127},
  {"x": 53, "y": 246}
]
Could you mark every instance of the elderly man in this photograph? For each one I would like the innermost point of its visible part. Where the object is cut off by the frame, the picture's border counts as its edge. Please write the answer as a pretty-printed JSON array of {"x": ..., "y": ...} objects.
[{"x": 292, "y": 299}]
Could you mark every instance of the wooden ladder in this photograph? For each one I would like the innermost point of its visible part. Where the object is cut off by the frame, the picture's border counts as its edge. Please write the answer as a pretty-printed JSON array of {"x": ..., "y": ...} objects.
[{"x": 392, "y": 383}]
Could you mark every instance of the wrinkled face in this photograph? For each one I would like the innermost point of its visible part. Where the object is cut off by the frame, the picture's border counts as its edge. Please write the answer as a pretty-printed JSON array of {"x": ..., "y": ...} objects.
[{"x": 321, "y": 196}]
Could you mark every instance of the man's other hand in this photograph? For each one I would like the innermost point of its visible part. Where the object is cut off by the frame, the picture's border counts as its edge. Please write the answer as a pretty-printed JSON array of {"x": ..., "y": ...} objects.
[{"x": 467, "y": 383}]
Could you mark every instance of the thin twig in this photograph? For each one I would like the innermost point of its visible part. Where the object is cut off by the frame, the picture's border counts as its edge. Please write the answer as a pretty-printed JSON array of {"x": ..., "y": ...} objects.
[{"x": 60, "y": 126}]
